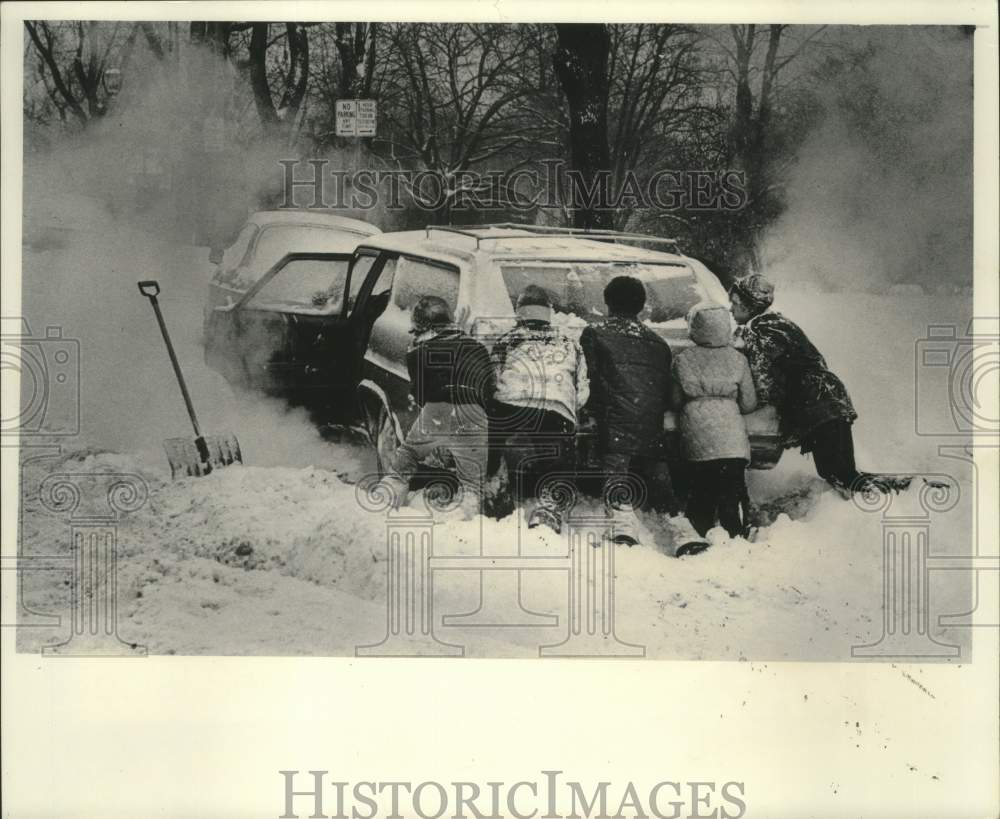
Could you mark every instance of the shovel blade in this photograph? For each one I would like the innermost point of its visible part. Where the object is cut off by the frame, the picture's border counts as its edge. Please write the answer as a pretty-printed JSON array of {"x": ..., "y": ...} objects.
[{"x": 194, "y": 457}]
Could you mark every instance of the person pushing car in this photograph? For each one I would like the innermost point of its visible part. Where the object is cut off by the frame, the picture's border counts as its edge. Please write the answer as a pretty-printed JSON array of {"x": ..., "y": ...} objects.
[
  {"x": 452, "y": 381},
  {"x": 630, "y": 388}
]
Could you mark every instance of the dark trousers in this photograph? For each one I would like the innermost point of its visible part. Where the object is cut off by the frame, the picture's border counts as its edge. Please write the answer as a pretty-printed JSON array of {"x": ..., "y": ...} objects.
[
  {"x": 718, "y": 488},
  {"x": 534, "y": 444},
  {"x": 832, "y": 446},
  {"x": 652, "y": 472}
]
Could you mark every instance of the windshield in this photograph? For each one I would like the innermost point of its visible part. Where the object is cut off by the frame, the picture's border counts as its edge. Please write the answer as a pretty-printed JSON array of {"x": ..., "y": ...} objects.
[{"x": 577, "y": 288}]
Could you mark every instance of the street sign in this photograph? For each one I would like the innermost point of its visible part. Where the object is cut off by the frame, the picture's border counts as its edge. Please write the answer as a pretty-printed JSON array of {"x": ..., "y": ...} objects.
[
  {"x": 367, "y": 116},
  {"x": 347, "y": 118},
  {"x": 356, "y": 118}
]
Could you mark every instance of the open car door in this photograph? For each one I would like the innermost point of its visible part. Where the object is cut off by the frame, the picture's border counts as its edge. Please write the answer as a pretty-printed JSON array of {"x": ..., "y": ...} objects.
[{"x": 290, "y": 335}]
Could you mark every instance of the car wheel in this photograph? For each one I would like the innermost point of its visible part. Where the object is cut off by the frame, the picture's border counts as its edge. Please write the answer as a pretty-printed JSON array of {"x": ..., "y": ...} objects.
[{"x": 386, "y": 441}]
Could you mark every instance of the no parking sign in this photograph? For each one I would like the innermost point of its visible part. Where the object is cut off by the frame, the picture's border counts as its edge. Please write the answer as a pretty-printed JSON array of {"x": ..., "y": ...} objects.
[{"x": 356, "y": 118}]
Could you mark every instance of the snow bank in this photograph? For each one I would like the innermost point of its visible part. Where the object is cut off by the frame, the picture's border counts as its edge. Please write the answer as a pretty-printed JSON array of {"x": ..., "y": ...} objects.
[{"x": 276, "y": 560}]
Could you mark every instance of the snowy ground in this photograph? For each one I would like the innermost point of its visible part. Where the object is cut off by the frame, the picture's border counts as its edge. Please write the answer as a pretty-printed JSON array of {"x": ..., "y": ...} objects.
[{"x": 278, "y": 557}]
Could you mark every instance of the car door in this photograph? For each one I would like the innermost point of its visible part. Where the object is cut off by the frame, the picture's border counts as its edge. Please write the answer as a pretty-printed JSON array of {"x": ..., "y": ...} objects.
[{"x": 289, "y": 335}]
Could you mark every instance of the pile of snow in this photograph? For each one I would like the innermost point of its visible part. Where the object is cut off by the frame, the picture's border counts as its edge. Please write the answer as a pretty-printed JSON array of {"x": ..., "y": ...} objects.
[{"x": 253, "y": 560}]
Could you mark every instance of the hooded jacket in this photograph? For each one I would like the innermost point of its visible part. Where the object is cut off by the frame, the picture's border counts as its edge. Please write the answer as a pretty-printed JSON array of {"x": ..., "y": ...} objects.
[
  {"x": 713, "y": 389},
  {"x": 629, "y": 367}
]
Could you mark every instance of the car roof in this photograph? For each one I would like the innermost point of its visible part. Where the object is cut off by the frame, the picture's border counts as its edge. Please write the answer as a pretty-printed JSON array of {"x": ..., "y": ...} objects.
[
  {"x": 501, "y": 243},
  {"x": 312, "y": 216}
]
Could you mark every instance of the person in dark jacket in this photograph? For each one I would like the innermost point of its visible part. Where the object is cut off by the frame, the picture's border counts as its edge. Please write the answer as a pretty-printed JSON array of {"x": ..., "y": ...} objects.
[
  {"x": 452, "y": 381},
  {"x": 629, "y": 368},
  {"x": 541, "y": 385},
  {"x": 815, "y": 409},
  {"x": 713, "y": 390}
]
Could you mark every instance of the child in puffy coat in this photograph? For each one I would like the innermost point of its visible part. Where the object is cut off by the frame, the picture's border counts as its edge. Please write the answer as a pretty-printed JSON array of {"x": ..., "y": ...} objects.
[{"x": 713, "y": 389}]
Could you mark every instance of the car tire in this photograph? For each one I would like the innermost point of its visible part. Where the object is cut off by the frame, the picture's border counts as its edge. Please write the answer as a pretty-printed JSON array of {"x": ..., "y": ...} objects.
[{"x": 385, "y": 440}]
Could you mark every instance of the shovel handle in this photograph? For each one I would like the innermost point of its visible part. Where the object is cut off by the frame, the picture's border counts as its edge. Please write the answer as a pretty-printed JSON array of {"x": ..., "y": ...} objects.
[{"x": 151, "y": 290}]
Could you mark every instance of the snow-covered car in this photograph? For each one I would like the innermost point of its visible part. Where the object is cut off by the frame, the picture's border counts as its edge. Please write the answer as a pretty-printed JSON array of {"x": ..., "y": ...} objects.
[
  {"x": 268, "y": 235},
  {"x": 346, "y": 358}
]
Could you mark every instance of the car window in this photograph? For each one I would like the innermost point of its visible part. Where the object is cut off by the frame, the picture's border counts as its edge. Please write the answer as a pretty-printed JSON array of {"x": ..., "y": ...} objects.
[
  {"x": 359, "y": 273},
  {"x": 304, "y": 286},
  {"x": 577, "y": 288},
  {"x": 277, "y": 240},
  {"x": 237, "y": 250},
  {"x": 416, "y": 278},
  {"x": 385, "y": 277}
]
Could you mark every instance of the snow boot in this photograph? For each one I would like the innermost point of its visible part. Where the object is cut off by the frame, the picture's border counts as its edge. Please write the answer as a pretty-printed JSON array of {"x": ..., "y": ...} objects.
[
  {"x": 624, "y": 529},
  {"x": 543, "y": 515},
  {"x": 691, "y": 547},
  {"x": 685, "y": 538}
]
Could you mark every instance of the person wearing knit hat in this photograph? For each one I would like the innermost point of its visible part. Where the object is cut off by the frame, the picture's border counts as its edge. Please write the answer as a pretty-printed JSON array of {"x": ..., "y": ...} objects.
[
  {"x": 541, "y": 384},
  {"x": 814, "y": 408},
  {"x": 452, "y": 381},
  {"x": 756, "y": 292},
  {"x": 534, "y": 303}
]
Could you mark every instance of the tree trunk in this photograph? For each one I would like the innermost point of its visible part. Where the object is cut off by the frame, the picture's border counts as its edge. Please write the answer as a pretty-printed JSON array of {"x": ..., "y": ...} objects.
[
  {"x": 295, "y": 81},
  {"x": 581, "y": 64}
]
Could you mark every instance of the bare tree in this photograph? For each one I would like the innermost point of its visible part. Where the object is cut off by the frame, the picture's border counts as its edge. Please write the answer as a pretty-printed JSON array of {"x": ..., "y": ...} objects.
[
  {"x": 657, "y": 80},
  {"x": 355, "y": 43},
  {"x": 450, "y": 98},
  {"x": 756, "y": 58},
  {"x": 73, "y": 57},
  {"x": 291, "y": 72}
]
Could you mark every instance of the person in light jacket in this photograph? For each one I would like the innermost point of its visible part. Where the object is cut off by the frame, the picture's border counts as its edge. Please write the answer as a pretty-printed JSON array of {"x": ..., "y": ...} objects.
[
  {"x": 714, "y": 389},
  {"x": 541, "y": 384}
]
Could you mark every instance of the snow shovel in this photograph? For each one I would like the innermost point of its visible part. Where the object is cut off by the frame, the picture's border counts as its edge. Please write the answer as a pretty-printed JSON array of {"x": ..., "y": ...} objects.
[{"x": 206, "y": 452}]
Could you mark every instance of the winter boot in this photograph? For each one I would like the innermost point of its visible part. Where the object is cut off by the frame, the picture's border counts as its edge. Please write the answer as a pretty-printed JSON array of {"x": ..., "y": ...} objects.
[
  {"x": 691, "y": 547},
  {"x": 624, "y": 527},
  {"x": 684, "y": 537},
  {"x": 545, "y": 515}
]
